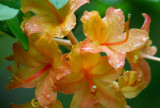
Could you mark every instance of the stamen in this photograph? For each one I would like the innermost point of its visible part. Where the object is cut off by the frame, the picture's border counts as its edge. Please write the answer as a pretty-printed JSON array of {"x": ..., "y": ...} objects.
[
  {"x": 92, "y": 86},
  {"x": 126, "y": 28},
  {"x": 54, "y": 10},
  {"x": 150, "y": 57},
  {"x": 11, "y": 71}
]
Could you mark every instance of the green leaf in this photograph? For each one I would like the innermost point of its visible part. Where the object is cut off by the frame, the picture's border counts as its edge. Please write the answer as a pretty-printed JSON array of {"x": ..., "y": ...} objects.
[
  {"x": 15, "y": 28},
  {"x": 58, "y": 3},
  {"x": 7, "y": 12}
]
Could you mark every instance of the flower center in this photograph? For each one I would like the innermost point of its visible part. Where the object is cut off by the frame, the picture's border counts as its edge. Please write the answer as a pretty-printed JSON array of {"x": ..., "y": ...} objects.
[{"x": 126, "y": 28}]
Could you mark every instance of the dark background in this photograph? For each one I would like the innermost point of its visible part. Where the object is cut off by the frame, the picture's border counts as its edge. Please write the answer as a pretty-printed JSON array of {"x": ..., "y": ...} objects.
[{"x": 148, "y": 98}]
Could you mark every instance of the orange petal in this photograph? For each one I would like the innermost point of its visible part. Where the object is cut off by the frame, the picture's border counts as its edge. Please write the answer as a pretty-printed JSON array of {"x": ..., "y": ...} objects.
[
  {"x": 114, "y": 20},
  {"x": 94, "y": 27},
  {"x": 109, "y": 95},
  {"x": 116, "y": 59},
  {"x": 147, "y": 22},
  {"x": 137, "y": 39},
  {"x": 47, "y": 49},
  {"x": 48, "y": 19},
  {"x": 83, "y": 98},
  {"x": 46, "y": 92},
  {"x": 58, "y": 104},
  {"x": 104, "y": 71}
]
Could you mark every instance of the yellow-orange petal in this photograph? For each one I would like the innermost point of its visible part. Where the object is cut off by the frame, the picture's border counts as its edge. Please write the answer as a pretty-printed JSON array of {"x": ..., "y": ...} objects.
[
  {"x": 114, "y": 20},
  {"x": 146, "y": 23},
  {"x": 116, "y": 59},
  {"x": 137, "y": 39},
  {"x": 45, "y": 50},
  {"x": 109, "y": 95},
  {"x": 129, "y": 84},
  {"x": 46, "y": 92},
  {"x": 48, "y": 19},
  {"x": 94, "y": 27},
  {"x": 83, "y": 98}
]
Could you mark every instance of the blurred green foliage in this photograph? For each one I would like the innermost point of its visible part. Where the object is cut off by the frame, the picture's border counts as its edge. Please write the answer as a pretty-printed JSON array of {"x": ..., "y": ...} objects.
[{"x": 149, "y": 98}]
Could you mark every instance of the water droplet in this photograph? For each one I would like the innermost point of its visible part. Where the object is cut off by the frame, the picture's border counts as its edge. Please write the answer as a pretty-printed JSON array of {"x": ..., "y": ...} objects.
[{"x": 94, "y": 87}]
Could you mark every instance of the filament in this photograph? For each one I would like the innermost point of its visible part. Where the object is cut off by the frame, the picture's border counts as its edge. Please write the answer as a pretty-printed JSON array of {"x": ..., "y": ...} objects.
[
  {"x": 126, "y": 28},
  {"x": 150, "y": 57}
]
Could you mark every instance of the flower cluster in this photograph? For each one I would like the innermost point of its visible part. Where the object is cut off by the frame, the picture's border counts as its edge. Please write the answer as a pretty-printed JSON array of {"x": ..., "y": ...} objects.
[{"x": 96, "y": 81}]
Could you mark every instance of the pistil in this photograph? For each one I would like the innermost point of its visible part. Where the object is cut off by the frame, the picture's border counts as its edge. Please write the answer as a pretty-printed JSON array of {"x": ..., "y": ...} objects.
[{"x": 150, "y": 57}]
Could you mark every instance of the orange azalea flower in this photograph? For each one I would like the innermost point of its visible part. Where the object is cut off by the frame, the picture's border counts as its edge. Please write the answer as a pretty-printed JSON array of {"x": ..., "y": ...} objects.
[
  {"x": 41, "y": 66},
  {"x": 56, "y": 23},
  {"x": 106, "y": 35},
  {"x": 92, "y": 80},
  {"x": 133, "y": 82}
]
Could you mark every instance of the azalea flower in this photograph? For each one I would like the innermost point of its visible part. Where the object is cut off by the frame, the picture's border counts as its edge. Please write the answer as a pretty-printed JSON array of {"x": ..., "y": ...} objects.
[
  {"x": 49, "y": 20},
  {"x": 40, "y": 67},
  {"x": 106, "y": 35},
  {"x": 133, "y": 82},
  {"x": 92, "y": 81}
]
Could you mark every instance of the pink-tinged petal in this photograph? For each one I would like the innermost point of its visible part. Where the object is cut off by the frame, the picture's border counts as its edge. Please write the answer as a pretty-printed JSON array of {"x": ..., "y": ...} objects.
[
  {"x": 147, "y": 22},
  {"x": 116, "y": 59},
  {"x": 75, "y": 4},
  {"x": 114, "y": 20},
  {"x": 48, "y": 19},
  {"x": 137, "y": 39},
  {"x": 26, "y": 105},
  {"x": 109, "y": 95},
  {"x": 94, "y": 27},
  {"x": 61, "y": 70},
  {"x": 20, "y": 78},
  {"x": 46, "y": 92},
  {"x": 83, "y": 98},
  {"x": 148, "y": 48}
]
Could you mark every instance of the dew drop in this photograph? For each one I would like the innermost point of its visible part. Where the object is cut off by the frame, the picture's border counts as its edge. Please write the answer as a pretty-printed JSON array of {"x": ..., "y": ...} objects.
[{"x": 94, "y": 87}]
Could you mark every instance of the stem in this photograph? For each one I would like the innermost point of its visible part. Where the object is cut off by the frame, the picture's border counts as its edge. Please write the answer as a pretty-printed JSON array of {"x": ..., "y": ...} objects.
[
  {"x": 150, "y": 57},
  {"x": 72, "y": 38},
  {"x": 63, "y": 42}
]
